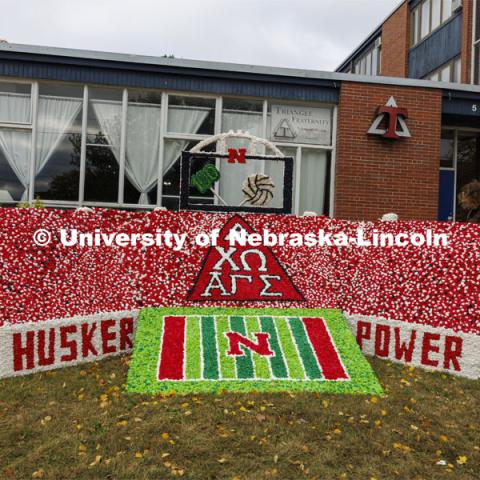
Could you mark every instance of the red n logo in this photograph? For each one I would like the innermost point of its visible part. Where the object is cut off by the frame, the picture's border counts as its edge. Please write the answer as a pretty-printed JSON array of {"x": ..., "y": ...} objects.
[
  {"x": 237, "y": 155},
  {"x": 262, "y": 346}
]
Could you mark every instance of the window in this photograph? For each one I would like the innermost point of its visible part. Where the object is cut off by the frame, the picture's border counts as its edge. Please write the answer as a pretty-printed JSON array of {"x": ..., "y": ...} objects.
[
  {"x": 191, "y": 115},
  {"x": 113, "y": 141},
  {"x": 369, "y": 62},
  {"x": 450, "y": 72},
  {"x": 142, "y": 147},
  {"x": 15, "y": 103},
  {"x": 15, "y": 160},
  {"x": 447, "y": 147},
  {"x": 59, "y": 133},
  {"x": 427, "y": 16},
  {"x": 103, "y": 145},
  {"x": 15, "y": 140}
]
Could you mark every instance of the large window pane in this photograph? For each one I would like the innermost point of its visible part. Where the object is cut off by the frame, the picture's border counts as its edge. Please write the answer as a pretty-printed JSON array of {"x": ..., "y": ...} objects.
[
  {"x": 436, "y": 13},
  {"x": 313, "y": 181},
  {"x": 447, "y": 10},
  {"x": 15, "y": 157},
  {"x": 58, "y": 142},
  {"x": 15, "y": 103},
  {"x": 468, "y": 164},
  {"x": 445, "y": 74},
  {"x": 191, "y": 115},
  {"x": 425, "y": 20},
  {"x": 103, "y": 145},
  {"x": 447, "y": 149},
  {"x": 142, "y": 147}
]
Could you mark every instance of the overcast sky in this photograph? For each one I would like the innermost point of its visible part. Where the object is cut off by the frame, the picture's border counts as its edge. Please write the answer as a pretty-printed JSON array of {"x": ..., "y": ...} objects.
[{"x": 315, "y": 34}]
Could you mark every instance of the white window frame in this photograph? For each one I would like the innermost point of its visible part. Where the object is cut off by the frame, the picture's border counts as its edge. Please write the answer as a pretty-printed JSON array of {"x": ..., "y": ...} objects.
[{"x": 165, "y": 136}]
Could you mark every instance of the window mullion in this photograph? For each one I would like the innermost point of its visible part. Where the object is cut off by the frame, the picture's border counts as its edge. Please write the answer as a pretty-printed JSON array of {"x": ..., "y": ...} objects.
[
  {"x": 123, "y": 144},
  {"x": 83, "y": 146},
  {"x": 34, "y": 110},
  {"x": 161, "y": 146}
]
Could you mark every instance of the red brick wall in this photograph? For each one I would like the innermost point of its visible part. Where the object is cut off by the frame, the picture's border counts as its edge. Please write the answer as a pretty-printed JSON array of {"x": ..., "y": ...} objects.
[
  {"x": 375, "y": 175},
  {"x": 395, "y": 43},
  {"x": 467, "y": 32}
]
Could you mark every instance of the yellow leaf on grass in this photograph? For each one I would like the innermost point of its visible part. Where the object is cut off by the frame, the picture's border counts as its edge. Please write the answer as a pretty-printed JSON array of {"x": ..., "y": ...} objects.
[
  {"x": 462, "y": 460},
  {"x": 97, "y": 460},
  {"x": 122, "y": 423},
  {"x": 165, "y": 435},
  {"x": 443, "y": 438},
  {"x": 82, "y": 448},
  {"x": 138, "y": 454},
  {"x": 221, "y": 460},
  {"x": 38, "y": 473},
  {"x": 374, "y": 400},
  {"x": 400, "y": 446}
]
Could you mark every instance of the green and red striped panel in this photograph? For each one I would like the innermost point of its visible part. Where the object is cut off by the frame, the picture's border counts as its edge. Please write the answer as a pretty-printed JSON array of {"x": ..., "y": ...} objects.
[{"x": 211, "y": 349}]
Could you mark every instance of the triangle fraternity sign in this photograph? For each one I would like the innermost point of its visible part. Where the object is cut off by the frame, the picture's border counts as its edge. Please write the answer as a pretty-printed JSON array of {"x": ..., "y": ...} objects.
[
  {"x": 242, "y": 273},
  {"x": 393, "y": 119}
]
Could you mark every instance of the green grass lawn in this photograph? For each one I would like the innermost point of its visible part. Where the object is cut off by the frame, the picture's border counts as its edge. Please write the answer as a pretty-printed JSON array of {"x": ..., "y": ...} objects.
[{"x": 78, "y": 423}]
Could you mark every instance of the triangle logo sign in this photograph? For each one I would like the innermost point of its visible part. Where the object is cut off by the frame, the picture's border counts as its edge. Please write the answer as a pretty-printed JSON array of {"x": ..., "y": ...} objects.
[{"x": 242, "y": 273}]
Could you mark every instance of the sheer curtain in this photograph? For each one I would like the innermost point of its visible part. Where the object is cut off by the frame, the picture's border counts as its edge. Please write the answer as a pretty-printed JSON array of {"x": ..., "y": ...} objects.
[
  {"x": 313, "y": 181},
  {"x": 233, "y": 175},
  {"x": 109, "y": 116},
  {"x": 16, "y": 146},
  {"x": 143, "y": 138},
  {"x": 15, "y": 108},
  {"x": 55, "y": 116},
  {"x": 185, "y": 120}
]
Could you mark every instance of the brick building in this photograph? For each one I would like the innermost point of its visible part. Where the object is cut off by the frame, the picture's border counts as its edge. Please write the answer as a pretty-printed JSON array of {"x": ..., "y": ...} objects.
[
  {"x": 436, "y": 40},
  {"x": 82, "y": 128}
]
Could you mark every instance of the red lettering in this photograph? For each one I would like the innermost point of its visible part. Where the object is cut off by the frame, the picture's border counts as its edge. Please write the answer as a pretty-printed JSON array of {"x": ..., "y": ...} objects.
[
  {"x": 44, "y": 359},
  {"x": 382, "y": 340},
  {"x": 87, "y": 336},
  {"x": 68, "y": 344},
  {"x": 237, "y": 155},
  {"x": 20, "y": 351},
  {"x": 364, "y": 332},
  {"x": 427, "y": 347},
  {"x": 401, "y": 348},
  {"x": 261, "y": 347},
  {"x": 108, "y": 336},
  {"x": 453, "y": 350},
  {"x": 126, "y": 330}
]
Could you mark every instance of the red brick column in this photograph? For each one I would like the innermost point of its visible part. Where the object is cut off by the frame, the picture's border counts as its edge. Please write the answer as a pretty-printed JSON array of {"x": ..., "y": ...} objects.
[
  {"x": 396, "y": 43},
  {"x": 375, "y": 175},
  {"x": 467, "y": 33}
]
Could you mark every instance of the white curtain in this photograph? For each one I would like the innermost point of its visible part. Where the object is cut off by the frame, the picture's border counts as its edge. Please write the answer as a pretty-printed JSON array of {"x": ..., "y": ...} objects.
[
  {"x": 313, "y": 181},
  {"x": 15, "y": 108},
  {"x": 143, "y": 139},
  {"x": 232, "y": 175},
  {"x": 55, "y": 116},
  {"x": 109, "y": 116},
  {"x": 184, "y": 120},
  {"x": 16, "y": 146}
]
